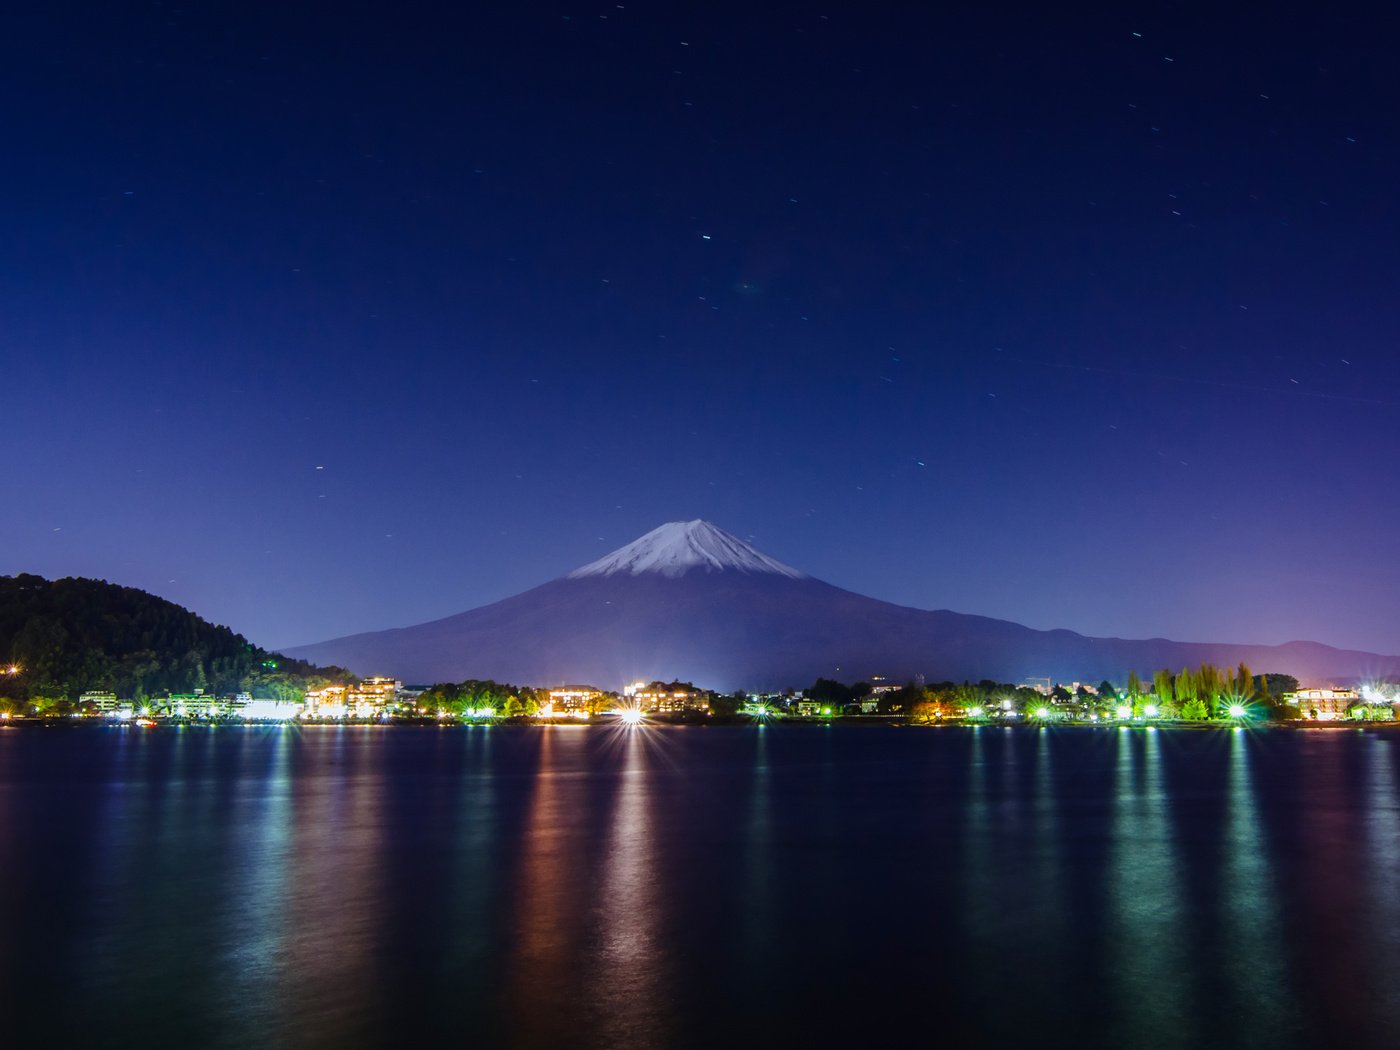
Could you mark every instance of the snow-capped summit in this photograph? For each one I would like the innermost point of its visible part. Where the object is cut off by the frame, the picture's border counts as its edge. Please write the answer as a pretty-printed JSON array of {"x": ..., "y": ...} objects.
[{"x": 679, "y": 546}]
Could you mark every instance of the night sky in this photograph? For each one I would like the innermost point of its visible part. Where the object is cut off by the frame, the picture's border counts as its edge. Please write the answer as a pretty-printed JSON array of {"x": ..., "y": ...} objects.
[{"x": 324, "y": 319}]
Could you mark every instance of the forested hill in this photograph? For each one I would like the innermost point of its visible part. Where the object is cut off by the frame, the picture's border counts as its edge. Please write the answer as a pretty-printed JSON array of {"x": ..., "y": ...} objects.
[{"x": 63, "y": 637}]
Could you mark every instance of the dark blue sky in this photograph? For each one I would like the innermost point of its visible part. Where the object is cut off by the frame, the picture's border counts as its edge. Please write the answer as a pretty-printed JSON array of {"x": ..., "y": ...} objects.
[{"x": 326, "y": 319}]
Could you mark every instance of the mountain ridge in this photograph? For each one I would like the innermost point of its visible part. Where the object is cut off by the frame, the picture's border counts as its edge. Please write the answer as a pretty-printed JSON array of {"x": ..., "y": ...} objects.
[{"x": 639, "y": 618}]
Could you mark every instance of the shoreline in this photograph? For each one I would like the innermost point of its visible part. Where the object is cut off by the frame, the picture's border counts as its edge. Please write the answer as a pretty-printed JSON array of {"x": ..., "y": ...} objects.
[{"x": 790, "y": 721}]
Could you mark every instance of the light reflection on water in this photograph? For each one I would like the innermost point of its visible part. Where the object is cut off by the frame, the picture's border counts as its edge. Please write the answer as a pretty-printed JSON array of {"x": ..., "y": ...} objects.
[
  {"x": 1381, "y": 879},
  {"x": 630, "y": 972},
  {"x": 1250, "y": 916},
  {"x": 474, "y": 879},
  {"x": 1149, "y": 964},
  {"x": 332, "y": 907},
  {"x": 367, "y": 887},
  {"x": 1043, "y": 887},
  {"x": 980, "y": 901},
  {"x": 551, "y": 892},
  {"x": 760, "y": 877},
  {"x": 254, "y": 957}
]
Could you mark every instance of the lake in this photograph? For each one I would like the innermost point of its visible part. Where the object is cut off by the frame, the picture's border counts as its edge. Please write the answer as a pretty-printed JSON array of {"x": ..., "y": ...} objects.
[{"x": 698, "y": 887}]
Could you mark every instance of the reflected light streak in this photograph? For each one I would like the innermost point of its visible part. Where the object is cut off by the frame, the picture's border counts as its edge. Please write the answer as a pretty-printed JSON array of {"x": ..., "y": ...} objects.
[
  {"x": 1049, "y": 875},
  {"x": 1149, "y": 963},
  {"x": 262, "y": 811},
  {"x": 475, "y": 858},
  {"x": 1333, "y": 868},
  {"x": 980, "y": 901},
  {"x": 759, "y": 898},
  {"x": 632, "y": 965},
  {"x": 337, "y": 878},
  {"x": 162, "y": 882},
  {"x": 552, "y": 891},
  {"x": 1250, "y": 910},
  {"x": 117, "y": 862},
  {"x": 1042, "y": 886},
  {"x": 1383, "y": 865}
]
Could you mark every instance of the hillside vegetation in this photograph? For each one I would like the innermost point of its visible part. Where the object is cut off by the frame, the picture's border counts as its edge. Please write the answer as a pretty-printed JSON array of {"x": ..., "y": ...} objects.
[{"x": 60, "y": 638}]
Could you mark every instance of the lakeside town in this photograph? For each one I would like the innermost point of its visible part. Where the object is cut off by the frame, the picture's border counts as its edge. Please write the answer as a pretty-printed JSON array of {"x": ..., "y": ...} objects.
[
  {"x": 1201, "y": 696},
  {"x": 89, "y": 652}
]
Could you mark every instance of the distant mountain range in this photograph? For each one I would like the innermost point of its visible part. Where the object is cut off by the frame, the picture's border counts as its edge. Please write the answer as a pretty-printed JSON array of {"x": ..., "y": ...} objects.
[{"x": 691, "y": 601}]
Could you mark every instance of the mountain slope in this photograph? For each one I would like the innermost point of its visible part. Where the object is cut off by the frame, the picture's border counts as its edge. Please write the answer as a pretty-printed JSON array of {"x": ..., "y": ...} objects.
[
  {"x": 691, "y": 601},
  {"x": 71, "y": 635}
]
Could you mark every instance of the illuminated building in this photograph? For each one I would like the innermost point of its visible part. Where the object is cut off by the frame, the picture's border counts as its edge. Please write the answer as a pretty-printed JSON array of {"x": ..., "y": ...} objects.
[
  {"x": 270, "y": 711},
  {"x": 198, "y": 704},
  {"x": 327, "y": 702},
  {"x": 573, "y": 700},
  {"x": 1322, "y": 704},
  {"x": 373, "y": 696},
  {"x": 672, "y": 702},
  {"x": 108, "y": 706},
  {"x": 102, "y": 703},
  {"x": 660, "y": 699},
  {"x": 370, "y": 698}
]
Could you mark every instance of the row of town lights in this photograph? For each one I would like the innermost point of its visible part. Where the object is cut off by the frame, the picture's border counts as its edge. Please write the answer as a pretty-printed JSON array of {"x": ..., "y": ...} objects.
[{"x": 1124, "y": 712}]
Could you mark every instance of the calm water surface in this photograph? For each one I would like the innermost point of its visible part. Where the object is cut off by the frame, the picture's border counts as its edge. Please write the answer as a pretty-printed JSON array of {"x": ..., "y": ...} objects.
[{"x": 347, "y": 887}]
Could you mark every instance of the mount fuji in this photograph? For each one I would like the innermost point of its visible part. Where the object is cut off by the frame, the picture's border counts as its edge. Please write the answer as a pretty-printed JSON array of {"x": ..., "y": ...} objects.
[{"x": 691, "y": 601}]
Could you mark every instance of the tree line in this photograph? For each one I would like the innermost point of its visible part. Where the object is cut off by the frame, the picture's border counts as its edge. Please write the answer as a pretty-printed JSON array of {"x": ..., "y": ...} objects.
[
  {"x": 461, "y": 698},
  {"x": 1190, "y": 694},
  {"x": 65, "y": 637}
]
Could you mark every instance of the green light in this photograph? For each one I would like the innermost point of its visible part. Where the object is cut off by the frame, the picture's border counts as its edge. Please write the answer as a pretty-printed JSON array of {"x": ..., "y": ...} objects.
[
  {"x": 1237, "y": 710},
  {"x": 974, "y": 712},
  {"x": 1150, "y": 710},
  {"x": 1042, "y": 712},
  {"x": 1124, "y": 711}
]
